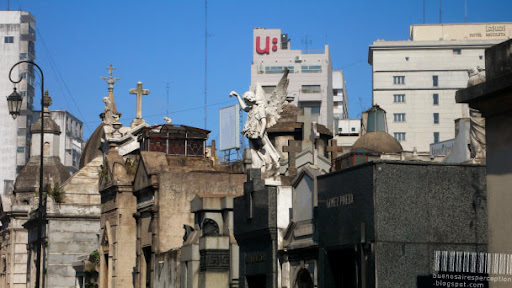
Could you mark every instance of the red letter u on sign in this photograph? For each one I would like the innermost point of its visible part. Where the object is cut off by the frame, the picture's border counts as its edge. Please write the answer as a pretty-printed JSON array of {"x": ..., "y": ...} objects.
[{"x": 267, "y": 46}]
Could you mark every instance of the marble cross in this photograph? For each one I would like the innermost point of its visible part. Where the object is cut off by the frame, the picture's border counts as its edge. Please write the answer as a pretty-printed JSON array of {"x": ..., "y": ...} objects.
[
  {"x": 293, "y": 148},
  {"x": 139, "y": 92}
]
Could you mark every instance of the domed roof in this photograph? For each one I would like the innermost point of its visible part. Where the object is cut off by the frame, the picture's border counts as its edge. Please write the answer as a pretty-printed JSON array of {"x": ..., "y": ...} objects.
[
  {"x": 92, "y": 146},
  {"x": 379, "y": 141},
  {"x": 53, "y": 170}
]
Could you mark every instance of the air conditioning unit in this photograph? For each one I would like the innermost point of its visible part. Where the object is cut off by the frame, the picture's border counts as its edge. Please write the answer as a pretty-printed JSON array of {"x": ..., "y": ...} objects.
[{"x": 261, "y": 69}]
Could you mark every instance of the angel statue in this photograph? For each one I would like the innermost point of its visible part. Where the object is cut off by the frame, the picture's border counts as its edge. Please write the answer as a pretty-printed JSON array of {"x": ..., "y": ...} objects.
[{"x": 263, "y": 114}]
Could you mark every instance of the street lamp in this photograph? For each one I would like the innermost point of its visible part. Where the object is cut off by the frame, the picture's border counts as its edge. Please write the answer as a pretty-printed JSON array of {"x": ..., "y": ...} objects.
[{"x": 14, "y": 102}]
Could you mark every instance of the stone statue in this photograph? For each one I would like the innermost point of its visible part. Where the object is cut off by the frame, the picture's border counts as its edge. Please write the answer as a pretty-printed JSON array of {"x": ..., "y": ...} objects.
[
  {"x": 109, "y": 116},
  {"x": 477, "y": 124},
  {"x": 476, "y": 76},
  {"x": 263, "y": 114}
]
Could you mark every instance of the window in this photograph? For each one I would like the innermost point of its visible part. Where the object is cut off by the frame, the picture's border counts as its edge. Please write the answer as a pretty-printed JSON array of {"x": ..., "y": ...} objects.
[
  {"x": 456, "y": 51},
  {"x": 436, "y": 137},
  {"x": 353, "y": 129},
  {"x": 9, "y": 39},
  {"x": 399, "y": 80},
  {"x": 313, "y": 106},
  {"x": 399, "y": 136},
  {"x": 399, "y": 117},
  {"x": 399, "y": 98},
  {"x": 31, "y": 48},
  {"x": 436, "y": 118},
  {"x": 435, "y": 80},
  {"x": 268, "y": 89},
  {"x": 277, "y": 69},
  {"x": 311, "y": 69},
  {"x": 435, "y": 99},
  {"x": 311, "y": 89}
]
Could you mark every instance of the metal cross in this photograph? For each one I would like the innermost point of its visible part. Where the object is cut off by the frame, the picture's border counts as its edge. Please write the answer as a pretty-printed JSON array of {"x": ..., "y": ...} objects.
[
  {"x": 139, "y": 92},
  {"x": 110, "y": 80}
]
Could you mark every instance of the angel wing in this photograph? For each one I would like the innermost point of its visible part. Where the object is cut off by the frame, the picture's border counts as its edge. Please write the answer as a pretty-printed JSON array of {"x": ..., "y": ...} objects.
[{"x": 277, "y": 100}]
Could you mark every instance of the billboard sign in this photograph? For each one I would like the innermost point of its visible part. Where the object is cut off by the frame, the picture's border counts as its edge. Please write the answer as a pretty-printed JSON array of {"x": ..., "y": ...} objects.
[{"x": 229, "y": 128}]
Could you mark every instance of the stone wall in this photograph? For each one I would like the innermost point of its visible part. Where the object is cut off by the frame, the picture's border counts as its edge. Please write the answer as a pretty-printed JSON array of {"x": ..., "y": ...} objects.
[
  {"x": 177, "y": 189},
  {"x": 167, "y": 269}
]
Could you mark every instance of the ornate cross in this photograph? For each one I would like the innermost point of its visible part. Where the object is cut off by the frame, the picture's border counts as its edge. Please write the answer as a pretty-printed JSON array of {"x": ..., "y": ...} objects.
[
  {"x": 334, "y": 149},
  {"x": 293, "y": 147},
  {"x": 139, "y": 92},
  {"x": 110, "y": 80}
]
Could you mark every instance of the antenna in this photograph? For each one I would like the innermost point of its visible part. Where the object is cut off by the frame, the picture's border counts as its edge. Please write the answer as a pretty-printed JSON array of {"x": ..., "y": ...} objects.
[
  {"x": 424, "y": 12},
  {"x": 465, "y": 11},
  {"x": 205, "y": 60},
  {"x": 440, "y": 12},
  {"x": 306, "y": 42},
  {"x": 167, "y": 104}
]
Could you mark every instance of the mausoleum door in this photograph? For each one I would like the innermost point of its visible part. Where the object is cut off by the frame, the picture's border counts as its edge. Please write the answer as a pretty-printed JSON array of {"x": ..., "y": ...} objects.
[
  {"x": 304, "y": 279},
  {"x": 256, "y": 281},
  {"x": 344, "y": 268}
]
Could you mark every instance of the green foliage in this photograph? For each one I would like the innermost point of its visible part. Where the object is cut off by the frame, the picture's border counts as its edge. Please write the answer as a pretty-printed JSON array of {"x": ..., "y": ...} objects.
[
  {"x": 56, "y": 193},
  {"x": 103, "y": 172},
  {"x": 94, "y": 257}
]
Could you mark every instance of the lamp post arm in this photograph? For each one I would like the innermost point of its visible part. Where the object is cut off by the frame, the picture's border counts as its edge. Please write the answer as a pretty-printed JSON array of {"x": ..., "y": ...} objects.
[{"x": 40, "y": 212}]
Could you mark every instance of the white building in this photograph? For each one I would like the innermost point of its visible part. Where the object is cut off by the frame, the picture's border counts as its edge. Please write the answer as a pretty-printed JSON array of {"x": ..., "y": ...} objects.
[
  {"x": 347, "y": 131},
  {"x": 311, "y": 80},
  {"x": 71, "y": 141},
  {"x": 415, "y": 80},
  {"x": 339, "y": 95},
  {"x": 17, "y": 38}
]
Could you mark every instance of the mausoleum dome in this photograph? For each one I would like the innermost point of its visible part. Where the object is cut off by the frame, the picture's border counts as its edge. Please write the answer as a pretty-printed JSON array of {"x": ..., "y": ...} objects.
[
  {"x": 379, "y": 141},
  {"x": 92, "y": 146}
]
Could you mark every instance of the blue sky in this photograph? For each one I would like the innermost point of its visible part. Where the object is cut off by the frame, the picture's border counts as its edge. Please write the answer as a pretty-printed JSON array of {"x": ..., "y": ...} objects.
[{"x": 160, "y": 42}]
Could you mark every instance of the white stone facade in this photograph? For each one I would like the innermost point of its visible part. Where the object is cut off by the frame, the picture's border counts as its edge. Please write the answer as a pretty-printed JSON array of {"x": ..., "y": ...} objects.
[
  {"x": 415, "y": 80},
  {"x": 17, "y": 42},
  {"x": 310, "y": 72}
]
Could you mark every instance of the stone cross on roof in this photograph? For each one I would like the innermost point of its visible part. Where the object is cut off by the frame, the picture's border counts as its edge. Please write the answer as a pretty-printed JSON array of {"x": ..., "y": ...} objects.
[
  {"x": 110, "y": 80},
  {"x": 139, "y": 92},
  {"x": 111, "y": 102},
  {"x": 293, "y": 148}
]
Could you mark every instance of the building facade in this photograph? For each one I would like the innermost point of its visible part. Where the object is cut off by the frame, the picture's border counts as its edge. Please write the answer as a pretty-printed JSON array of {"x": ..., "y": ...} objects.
[
  {"x": 339, "y": 95},
  {"x": 17, "y": 42},
  {"x": 415, "y": 80},
  {"x": 311, "y": 80},
  {"x": 72, "y": 142}
]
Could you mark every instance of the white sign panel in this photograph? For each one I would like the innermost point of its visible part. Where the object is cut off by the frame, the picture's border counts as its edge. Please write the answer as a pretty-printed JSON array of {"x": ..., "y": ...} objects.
[{"x": 229, "y": 130}]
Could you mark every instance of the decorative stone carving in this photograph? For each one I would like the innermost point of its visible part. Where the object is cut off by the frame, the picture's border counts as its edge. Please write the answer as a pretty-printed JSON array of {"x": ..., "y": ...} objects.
[
  {"x": 210, "y": 228},
  {"x": 263, "y": 114},
  {"x": 214, "y": 260}
]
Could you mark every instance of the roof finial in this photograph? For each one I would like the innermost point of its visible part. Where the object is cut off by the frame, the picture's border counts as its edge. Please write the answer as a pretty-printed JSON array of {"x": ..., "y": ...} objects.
[{"x": 111, "y": 102}]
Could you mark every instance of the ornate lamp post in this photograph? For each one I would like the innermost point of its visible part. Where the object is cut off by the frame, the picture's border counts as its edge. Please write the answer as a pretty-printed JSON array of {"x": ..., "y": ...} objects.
[{"x": 14, "y": 102}]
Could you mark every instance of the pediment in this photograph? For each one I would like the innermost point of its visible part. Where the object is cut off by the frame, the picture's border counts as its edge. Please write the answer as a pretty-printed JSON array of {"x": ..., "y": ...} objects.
[{"x": 142, "y": 177}]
